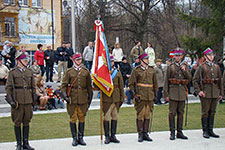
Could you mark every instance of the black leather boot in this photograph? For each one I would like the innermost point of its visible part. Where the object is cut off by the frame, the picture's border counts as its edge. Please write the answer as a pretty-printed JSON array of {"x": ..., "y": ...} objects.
[
  {"x": 81, "y": 134},
  {"x": 210, "y": 131},
  {"x": 113, "y": 132},
  {"x": 205, "y": 128},
  {"x": 17, "y": 131},
  {"x": 26, "y": 145},
  {"x": 106, "y": 129},
  {"x": 145, "y": 130},
  {"x": 172, "y": 127},
  {"x": 73, "y": 130},
  {"x": 180, "y": 134},
  {"x": 140, "y": 130}
]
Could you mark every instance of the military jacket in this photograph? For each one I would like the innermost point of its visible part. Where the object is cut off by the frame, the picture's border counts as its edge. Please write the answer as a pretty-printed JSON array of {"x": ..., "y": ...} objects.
[
  {"x": 207, "y": 71},
  {"x": 134, "y": 52},
  {"x": 144, "y": 77},
  {"x": 24, "y": 85},
  {"x": 82, "y": 86},
  {"x": 176, "y": 91},
  {"x": 118, "y": 91}
]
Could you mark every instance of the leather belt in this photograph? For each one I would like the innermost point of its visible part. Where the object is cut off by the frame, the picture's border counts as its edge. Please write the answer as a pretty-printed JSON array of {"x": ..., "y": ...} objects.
[{"x": 145, "y": 85}]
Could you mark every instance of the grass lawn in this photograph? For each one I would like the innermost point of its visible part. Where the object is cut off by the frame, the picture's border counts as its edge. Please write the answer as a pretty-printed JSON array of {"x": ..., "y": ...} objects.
[{"x": 47, "y": 126}]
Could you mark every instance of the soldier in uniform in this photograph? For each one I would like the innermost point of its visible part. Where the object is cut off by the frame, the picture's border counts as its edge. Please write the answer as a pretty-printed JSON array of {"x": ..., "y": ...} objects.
[
  {"x": 20, "y": 88},
  {"x": 112, "y": 104},
  {"x": 208, "y": 86},
  {"x": 143, "y": 85},
  {"x": 175, "y": 89},
  {"x": 77, "y": 91}
]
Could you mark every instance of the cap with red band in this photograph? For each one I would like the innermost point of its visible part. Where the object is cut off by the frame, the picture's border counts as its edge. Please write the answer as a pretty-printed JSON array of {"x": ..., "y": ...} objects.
[
  {"x": 208, "y": 51},
  {"x": 143, "y": 56},
  {"x": 77, "y": 56}
]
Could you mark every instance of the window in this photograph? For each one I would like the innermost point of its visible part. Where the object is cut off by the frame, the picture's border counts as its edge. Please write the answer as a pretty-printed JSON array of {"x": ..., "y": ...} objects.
[
  {"x": 36, "y": 3},
  {"x": 10, "y": 28},
  {"x": 23, "y": 2},
  {"x": 8, "y": 2}
]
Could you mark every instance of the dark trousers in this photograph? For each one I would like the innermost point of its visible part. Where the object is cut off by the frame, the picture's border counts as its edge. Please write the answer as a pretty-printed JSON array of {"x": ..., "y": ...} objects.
[
  {"x": 116, "y": 64},
  {"x": 88, "y": 65},
  {"x": 208, "y": 106},
  {"x": 42, "y": 69},
  {"x": 176, "y": 108},
  {"x": 159, "y": 95},
  {"x": 49, "y": 70}
]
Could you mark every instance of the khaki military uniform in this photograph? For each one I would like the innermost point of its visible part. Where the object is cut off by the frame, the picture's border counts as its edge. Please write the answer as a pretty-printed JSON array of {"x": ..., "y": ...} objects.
[
  {"x": 207, "y": 78},
  {"x": 24, "y": 86},
  {"x": 147, "y": 86},
  {"x": 212, "y": 90},
  {"x": 136, "y": 51},
  {"x": 175, "y": 87},
  {"x": 112, "y": 104},
  {"x": 79, "y": 92}
]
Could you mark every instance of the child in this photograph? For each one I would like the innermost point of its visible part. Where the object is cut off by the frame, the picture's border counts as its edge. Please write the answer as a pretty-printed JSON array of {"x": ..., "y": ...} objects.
[{"x": 58, "y": 98}]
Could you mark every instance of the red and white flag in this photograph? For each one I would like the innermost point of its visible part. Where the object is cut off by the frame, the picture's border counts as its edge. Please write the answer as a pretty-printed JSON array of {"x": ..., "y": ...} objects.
[{"x": 101, "y": 62}]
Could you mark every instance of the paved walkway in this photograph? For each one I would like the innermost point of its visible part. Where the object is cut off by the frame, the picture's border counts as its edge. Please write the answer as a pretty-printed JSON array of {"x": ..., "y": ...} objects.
[{"x": 129, "y": 142}]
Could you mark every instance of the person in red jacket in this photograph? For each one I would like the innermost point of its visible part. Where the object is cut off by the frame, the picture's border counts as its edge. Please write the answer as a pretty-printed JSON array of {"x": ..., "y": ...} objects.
[{"x": 39, "y": 56}]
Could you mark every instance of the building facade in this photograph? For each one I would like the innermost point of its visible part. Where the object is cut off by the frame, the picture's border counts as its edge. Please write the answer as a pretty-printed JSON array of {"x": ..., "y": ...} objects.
[{"x": 29, "y": 22}]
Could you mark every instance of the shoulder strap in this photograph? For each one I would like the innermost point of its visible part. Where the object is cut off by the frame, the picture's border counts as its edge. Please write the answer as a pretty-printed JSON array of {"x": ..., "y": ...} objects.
[
  {"x": 217, "y": 69},
  {"x": 173, "y": 70},
  {"x": 69, "y": 88},
  {"x": 206, "y": 72}
]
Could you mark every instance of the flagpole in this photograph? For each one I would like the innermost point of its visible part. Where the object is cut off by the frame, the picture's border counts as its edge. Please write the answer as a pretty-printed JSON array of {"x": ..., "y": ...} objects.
[{"x": 101, "y": 121}]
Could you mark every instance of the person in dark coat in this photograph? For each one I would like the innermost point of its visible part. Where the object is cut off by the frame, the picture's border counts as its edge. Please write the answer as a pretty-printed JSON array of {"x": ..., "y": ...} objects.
[
  {"x": 125, "y": 69},
  {"x": 70, "y": 54},
  {"x": 49, "y": 63},
  {"x": 12, "y": 54},
  {"x": 62, "y": 54}
]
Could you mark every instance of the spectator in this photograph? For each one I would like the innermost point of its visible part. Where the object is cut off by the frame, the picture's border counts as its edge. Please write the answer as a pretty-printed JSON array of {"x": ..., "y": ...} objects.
[
  {"x": 58, "y": 98},
  {"x": 51, "y": 100},
  {"x": 136, "y": 62},
  {"x": 39, "y": 56},
  {"x": 70, "y": 54},
  {"x": 49, "y": 63},
  {"x": 11, "y": 55},
  {"x": 41, "y": 93},
  {"x": 35, "y": 68},
  {"x": 62, "y": 54},
  {"x": 160, "y": 79},
  {"x": 5, "y": 51},
  {"x": 3, "y": 72},
  {"x": 151, "y": 53},
  {"x": 117, "y": 53},
  {"x": 136, "y": 50},
  {"x": 88, "y": 55},
  {"x": 125, "y": 69},
  {"x": 168, "y": 62}
]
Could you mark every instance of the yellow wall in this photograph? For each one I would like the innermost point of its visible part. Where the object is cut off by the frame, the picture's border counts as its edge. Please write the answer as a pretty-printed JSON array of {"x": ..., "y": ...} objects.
[
  {"x": 46, "y": 4},
  {"x": 8, "y": 11}
]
